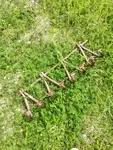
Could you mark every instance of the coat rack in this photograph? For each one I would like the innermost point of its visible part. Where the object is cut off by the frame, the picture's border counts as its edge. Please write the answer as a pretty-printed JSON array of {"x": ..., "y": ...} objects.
[{"x": 46, "y": 79}]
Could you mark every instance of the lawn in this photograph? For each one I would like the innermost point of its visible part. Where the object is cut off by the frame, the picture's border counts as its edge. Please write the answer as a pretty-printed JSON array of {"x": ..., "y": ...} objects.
[{"x": 34, "y": 34}]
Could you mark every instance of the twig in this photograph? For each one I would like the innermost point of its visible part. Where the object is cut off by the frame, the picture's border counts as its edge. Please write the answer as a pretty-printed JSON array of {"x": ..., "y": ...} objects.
[
  {"x": 53, "y": 81},
  {"x": 83, "y": 53},
  {"x": 38, "y": 103},
  {"x": 28, "y": 112},
  {"x": 50, "y": 91},
  {"x": 89, "y": 50},
  {"x": 84, "y": 42},
  {"x": 71, "y": 78}
]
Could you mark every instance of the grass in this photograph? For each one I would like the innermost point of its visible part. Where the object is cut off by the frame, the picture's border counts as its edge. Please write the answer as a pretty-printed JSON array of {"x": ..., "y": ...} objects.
[{"x": 32, "y": 33}]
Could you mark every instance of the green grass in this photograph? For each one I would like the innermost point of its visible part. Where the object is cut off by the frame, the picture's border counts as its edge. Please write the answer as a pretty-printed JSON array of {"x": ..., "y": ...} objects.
[{"x": 31, "y": 36}]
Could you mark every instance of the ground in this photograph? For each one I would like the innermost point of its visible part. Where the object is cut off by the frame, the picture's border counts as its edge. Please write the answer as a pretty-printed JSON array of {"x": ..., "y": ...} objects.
[{"x": 33, "y": 34}]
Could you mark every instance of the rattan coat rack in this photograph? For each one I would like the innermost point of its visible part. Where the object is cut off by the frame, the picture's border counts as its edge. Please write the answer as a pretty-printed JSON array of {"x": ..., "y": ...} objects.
[{"x": 89, "y": 61}]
